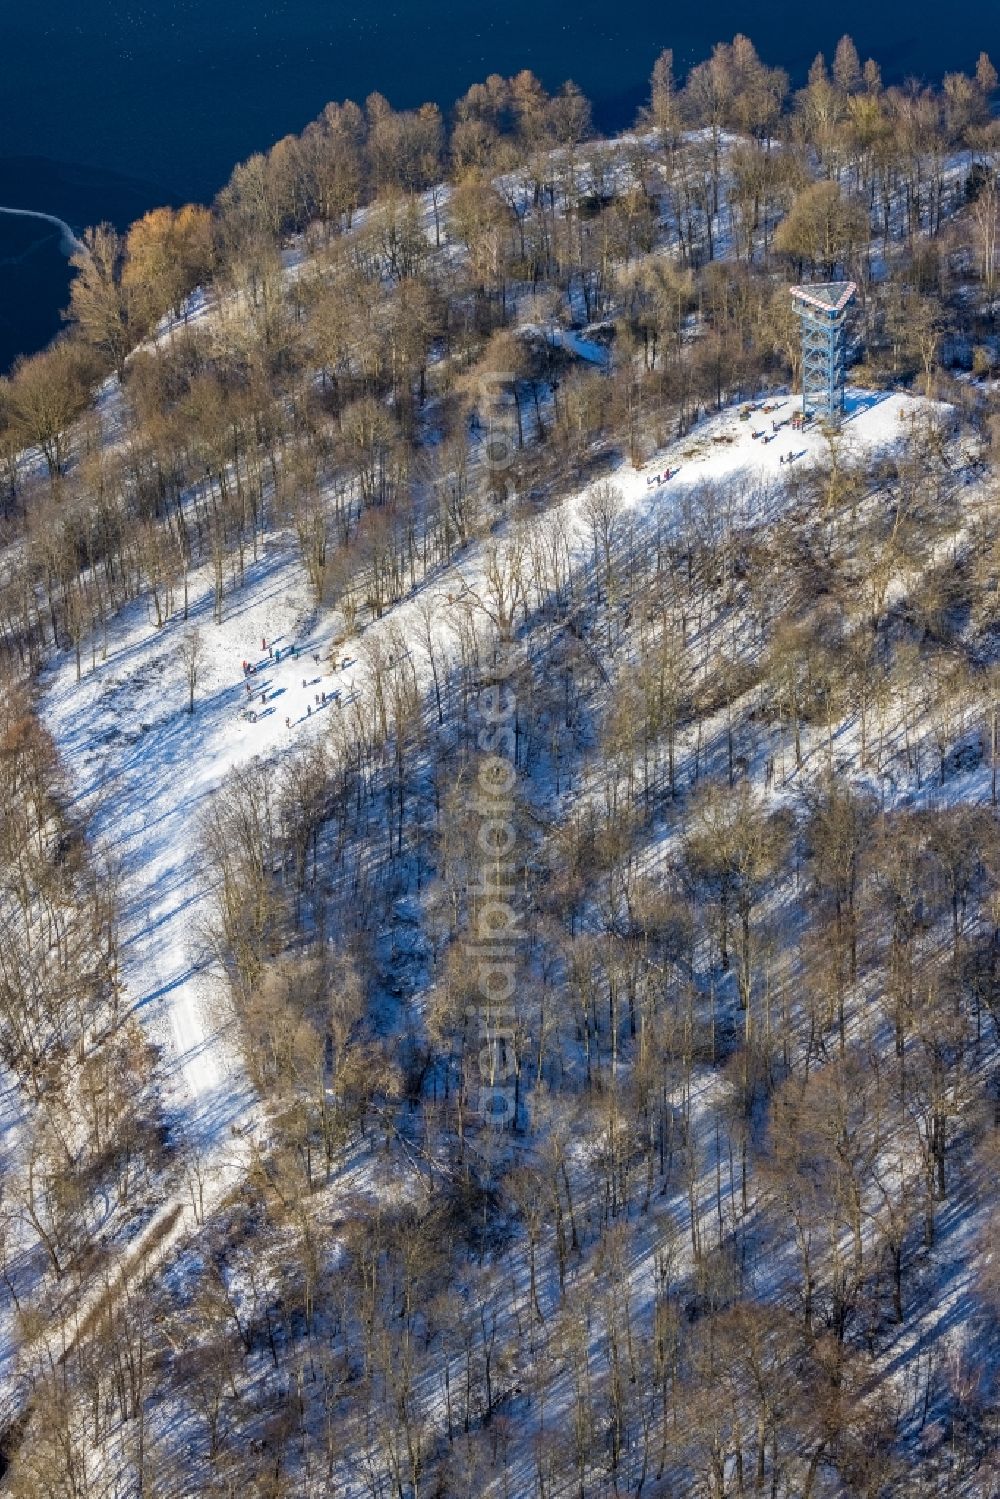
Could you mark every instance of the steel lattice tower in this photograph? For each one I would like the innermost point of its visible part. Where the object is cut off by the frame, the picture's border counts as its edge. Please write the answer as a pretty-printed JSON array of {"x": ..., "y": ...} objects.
[{"x": 822, "y": 309}]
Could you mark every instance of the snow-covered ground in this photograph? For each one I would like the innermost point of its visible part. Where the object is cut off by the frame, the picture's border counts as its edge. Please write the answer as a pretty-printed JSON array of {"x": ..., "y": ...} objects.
[{"x": 142, "y": 768}]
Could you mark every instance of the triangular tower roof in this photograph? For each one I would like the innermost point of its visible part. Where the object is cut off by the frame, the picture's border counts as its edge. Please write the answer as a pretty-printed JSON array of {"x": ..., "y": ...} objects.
[{"x": 827, "y": 296}]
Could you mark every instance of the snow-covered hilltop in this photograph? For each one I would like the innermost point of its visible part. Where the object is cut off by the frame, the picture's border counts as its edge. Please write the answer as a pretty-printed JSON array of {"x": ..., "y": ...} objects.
[
  {"x": 143, "y": 768},
  {"x": 444, "y": 681}
]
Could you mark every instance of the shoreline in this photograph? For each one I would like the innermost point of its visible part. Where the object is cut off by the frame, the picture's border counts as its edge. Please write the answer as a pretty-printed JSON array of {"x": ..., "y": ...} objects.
[
  {"x": 55, "y": 195},
  {"x": 69, "y": 244}
]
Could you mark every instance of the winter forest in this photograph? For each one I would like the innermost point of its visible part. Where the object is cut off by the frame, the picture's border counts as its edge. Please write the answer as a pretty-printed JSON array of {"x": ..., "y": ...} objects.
[{"x": 499, "y": 854}]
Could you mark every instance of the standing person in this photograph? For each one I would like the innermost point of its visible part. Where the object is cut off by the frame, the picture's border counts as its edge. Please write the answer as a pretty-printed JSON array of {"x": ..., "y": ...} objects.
[{"x": 263, "y": 643}]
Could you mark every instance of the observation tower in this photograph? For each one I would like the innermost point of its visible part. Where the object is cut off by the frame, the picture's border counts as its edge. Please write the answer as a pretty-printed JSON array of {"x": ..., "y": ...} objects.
[{"x": 822, "y": 310}]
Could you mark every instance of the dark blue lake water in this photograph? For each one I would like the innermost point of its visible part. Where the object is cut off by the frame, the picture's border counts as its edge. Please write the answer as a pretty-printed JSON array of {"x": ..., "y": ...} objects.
[{"x": 108, "y": 107}]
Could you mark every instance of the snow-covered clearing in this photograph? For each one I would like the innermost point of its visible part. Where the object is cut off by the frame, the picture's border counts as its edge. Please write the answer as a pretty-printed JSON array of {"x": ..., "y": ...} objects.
[
  {"x": 141, "y": 770},
  {"x": 724, "y": 451}
]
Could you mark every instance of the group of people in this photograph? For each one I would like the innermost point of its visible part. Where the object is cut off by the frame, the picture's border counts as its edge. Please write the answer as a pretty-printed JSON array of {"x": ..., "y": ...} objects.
[
  {"x": 795, "y": 421},
  {"x": 320, "y": 701},
  {"x": 664, "y": 478},
  {"x": 276, "y": 654},
  {"x": 251, "y": 668}
]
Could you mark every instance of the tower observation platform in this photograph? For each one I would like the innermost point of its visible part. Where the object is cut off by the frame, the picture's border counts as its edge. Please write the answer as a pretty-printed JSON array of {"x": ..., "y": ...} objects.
[{"x": 822, "y": 309}]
